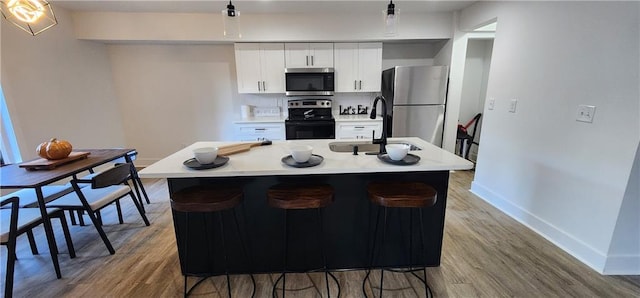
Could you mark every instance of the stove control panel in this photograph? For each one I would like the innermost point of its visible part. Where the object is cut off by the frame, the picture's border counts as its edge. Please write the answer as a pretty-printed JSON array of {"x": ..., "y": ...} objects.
[{"x": 309, "y": 103}]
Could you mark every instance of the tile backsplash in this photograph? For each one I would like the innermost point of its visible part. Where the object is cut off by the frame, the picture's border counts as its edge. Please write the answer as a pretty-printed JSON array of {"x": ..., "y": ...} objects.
[{"x": 268, "y": 104}]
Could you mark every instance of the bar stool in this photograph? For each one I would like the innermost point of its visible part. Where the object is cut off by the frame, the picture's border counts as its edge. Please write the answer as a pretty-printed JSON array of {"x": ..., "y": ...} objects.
[
  {"x": 406, "y": 195},
  {"x": 298, "y": 197},
  {"x": 209, "y": 200}
]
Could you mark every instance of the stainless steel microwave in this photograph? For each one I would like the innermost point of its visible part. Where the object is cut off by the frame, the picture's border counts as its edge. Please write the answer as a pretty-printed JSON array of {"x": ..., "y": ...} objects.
[{"x": 309, "y": 81}]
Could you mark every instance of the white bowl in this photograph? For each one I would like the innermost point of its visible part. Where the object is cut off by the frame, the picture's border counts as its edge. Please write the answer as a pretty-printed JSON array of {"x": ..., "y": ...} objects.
[
  {"x": 397, "y": 151},
  {"x": 301, "y": 153},
  {"x": 205, "y": 155}
]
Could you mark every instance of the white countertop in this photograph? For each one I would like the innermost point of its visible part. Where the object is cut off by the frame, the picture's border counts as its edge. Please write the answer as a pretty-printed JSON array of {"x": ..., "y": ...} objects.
[
  {"x": 266, "y": 160},
  {"x": 354, "y": 118},
  {"x": 278, "y": 119},
  {"x": 250, "y": 120}
]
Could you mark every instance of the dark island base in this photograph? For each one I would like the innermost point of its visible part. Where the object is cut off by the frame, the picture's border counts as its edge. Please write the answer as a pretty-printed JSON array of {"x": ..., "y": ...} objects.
[{"x": 345, "y": 224}]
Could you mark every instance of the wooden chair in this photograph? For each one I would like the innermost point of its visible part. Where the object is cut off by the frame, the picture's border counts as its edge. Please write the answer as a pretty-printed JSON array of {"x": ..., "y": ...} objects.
[
  {"x": 17, "y": 221},
  {"x": 135, "y": 181},
  {"x": 106, "y": 187},
  {"x": 400, "y": 195},
  {"x": 29, "y": 199}
]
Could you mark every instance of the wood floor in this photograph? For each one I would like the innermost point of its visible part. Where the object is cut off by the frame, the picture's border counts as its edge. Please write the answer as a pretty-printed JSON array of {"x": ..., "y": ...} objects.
[{"x": 485, "y": 254}]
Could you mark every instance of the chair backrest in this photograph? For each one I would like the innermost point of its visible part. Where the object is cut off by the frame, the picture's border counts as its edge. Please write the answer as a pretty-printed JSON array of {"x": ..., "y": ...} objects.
[
  {"x": 13, "y": 221},
  {"x": 113, "y": 176},
  {"x": 476, "y": 120}
]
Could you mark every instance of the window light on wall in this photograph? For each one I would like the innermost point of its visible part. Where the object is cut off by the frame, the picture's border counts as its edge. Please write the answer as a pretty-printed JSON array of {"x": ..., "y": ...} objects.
[{"x": 32, "y": 16}]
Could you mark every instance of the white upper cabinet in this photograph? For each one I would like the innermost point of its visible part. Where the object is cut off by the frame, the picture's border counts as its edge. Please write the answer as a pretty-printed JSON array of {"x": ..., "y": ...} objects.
[
  {"x": 260, "y": 67},
  {"x": 358, "y": 67},
  {"x": 303, "y": 55}
]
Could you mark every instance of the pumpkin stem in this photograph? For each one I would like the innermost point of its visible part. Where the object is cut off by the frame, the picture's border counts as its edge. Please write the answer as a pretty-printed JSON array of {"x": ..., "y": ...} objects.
[{"x": 53, "y": 140}]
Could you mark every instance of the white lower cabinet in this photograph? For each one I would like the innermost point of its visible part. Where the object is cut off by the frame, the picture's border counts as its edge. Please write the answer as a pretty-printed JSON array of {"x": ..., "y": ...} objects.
[
  {"x": 358, "y": 130},
  {"x": 260, "y": 132}
]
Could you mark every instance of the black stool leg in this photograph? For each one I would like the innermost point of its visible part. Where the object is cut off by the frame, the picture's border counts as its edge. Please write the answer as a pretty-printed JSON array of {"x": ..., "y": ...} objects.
[
  {"x": 226, "y": 257},
  {"x": 427, "y": 289},
  {"x": 324, "y": 258},
  {"x": 384, "y": 237},
  {"x": 372, "y": 252},
  {"x": 186, "y": 252},
  {"x": 244, "y": 248},
  {"x": 284, "y": 270}
]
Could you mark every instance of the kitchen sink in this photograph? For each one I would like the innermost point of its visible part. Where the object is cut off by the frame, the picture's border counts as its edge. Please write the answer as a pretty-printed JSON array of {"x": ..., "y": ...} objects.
[{"x": 364, "y": 146}]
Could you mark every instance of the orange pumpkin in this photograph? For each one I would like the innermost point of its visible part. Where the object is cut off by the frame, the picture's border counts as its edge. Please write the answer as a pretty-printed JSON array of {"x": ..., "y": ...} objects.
[{"x": 54, "y": 149}]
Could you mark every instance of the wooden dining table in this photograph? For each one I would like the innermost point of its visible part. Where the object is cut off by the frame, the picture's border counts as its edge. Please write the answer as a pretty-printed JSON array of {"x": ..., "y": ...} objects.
[{"x": 14, "y": 176}]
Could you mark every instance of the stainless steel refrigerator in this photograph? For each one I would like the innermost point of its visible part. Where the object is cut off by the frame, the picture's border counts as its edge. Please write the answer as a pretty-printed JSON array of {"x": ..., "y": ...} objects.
[{"x": 416, "y": 98}]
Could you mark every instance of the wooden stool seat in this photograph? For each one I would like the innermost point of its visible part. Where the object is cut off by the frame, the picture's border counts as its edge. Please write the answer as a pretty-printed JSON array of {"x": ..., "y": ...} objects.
[
  {"x": 205, "y": 198},
  {"x": 402, "y": 194},
  {"x": 289, "y": 196}
]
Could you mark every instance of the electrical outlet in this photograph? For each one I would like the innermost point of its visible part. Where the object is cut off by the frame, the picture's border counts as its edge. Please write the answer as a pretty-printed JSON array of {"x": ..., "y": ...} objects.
[
  {"x": 492, "y": 103},
  {"x": 585, "y": 113},
  {"x": 512, "y": 105}
]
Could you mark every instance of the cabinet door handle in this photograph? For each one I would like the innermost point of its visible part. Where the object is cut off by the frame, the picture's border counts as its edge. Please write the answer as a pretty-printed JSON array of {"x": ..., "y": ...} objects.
[
  {"x": 359, "y": 127},
  {"x": 312, "y": 61},
  {"x": 360, "y": 85},
  {"x": 259, "y": 86},
  {"x": 355, "y": 85},
  {"x": 260, "y": 129},
  {"x": 307, "y": 60},
  {"x": 264, "y": 87}
]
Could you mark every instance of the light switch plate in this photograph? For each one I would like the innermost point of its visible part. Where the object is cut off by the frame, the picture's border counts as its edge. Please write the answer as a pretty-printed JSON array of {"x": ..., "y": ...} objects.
[
  {"x": 492, "y": 103},
  {"x": 585, "y": 113},
  {"x": 512, "y": 105}
]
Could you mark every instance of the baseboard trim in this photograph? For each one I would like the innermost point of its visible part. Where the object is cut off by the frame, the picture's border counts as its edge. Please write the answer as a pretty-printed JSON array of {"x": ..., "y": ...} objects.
[
  {"x": 622, "y": 265},
  {"x": 573, "y": 246}
]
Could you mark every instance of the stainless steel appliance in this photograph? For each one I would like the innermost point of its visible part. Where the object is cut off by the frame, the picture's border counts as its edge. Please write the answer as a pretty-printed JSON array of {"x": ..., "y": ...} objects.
[
  {"x": 309, "y": 81},
  {"x": 310, "y": 119},
  {"x": 416, "y": 96}
]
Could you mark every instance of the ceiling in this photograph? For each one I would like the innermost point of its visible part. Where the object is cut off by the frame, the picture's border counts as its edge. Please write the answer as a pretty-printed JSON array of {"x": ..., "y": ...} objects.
[{"x": 263, "y": 6}]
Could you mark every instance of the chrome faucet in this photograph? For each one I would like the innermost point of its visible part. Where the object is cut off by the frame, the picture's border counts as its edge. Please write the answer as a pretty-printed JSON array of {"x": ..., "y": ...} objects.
[{"x": 383, "y": 138}]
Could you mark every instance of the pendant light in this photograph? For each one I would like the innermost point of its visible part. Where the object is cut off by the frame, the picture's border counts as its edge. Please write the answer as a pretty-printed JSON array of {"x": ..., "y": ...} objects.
[
  {"x": 32, "y": 16},
  {"x": 231, "y": 22},
  {"x": 391, "y": 15}
]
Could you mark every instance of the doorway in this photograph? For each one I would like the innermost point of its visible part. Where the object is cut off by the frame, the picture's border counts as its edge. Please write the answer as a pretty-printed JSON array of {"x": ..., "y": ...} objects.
[{"x": 474, "y": 91}]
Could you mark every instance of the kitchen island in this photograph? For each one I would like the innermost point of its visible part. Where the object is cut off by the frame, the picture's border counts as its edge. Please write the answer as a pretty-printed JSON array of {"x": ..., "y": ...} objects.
[{"x": 346, "y": 220}]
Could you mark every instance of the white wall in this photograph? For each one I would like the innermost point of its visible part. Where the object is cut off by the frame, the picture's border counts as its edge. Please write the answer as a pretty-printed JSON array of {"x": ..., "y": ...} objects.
[
  {"x": 410, "y": 53},
  {"x": 624, "y": 248},
  {"x": 174, "y": 95},
  {"x": 184, "y": 27},
  {"x": 58, "y": 86},
  {"x": 564, "y": 179}
]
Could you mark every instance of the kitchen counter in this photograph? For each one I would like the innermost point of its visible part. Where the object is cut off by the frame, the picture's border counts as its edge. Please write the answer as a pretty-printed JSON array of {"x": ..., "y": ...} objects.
[
  {"x": 355, "y": 118},
  {"x": 346, "y": 220},
  {"x": 275, "y": 119},
  {"x": 266, "y": 160}
]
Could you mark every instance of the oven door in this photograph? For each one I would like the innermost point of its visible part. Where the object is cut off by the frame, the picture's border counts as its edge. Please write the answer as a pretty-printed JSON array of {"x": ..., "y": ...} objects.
[{"x": 310, "y": 129}]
